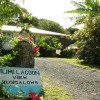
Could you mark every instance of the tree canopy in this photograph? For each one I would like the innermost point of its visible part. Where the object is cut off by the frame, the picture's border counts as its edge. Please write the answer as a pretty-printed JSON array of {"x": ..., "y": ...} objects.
[{"x": 9, "y": 12}]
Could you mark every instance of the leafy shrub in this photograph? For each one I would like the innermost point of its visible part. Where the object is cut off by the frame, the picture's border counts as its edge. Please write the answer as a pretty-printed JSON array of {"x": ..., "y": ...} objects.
[
  {"x": 48, "y": 46},
  {"x": 68, "y": 53},
  {"x": 88, "y": 40}
]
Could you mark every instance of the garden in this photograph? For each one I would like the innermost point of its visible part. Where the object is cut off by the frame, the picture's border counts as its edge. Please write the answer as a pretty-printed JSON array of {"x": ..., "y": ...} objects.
[{"x": 82, "y": 46}]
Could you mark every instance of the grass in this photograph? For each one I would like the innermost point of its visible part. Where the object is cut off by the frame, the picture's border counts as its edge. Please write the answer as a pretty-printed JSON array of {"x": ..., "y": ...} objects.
[
  {"x": 79, "y": 63},
  {"x": 54, "y": 92}
]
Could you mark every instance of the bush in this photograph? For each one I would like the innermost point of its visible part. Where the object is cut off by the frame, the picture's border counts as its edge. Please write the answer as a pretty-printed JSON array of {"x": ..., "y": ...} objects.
[
  {"x": 48, "y": 46},
  {"x": 88, "y": 40},
  {"x": 68, "y": 53},
  {"x": 47, "y": 53}
]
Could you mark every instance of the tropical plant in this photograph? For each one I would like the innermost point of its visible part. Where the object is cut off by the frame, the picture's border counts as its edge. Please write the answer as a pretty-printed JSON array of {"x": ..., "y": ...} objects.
[
  {"x": 88, "y": 38},
  {"x": 50, "y": 43},
  {"x": 84, "y": 9}
]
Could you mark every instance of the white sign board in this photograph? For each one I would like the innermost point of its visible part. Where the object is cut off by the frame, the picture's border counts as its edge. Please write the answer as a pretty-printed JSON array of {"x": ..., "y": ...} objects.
[{"x": 23, "y": 80}]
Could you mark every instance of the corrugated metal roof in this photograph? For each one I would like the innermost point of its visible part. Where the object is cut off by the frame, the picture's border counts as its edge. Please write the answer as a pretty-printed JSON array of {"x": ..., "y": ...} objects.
[{"x": 32, "y": 30}]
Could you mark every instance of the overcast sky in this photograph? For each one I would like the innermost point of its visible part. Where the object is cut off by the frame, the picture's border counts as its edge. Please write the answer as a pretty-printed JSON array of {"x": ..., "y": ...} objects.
[{"x": 49, "y": 9}]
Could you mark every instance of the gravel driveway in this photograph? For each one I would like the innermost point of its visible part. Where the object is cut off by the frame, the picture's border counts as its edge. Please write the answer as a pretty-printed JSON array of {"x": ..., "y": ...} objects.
[{"x": 82, "y": 84}]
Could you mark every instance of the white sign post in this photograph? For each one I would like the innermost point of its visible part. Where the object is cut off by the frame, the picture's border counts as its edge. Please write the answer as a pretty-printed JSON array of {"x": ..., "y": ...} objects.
[{"x": 21, "y": 80}]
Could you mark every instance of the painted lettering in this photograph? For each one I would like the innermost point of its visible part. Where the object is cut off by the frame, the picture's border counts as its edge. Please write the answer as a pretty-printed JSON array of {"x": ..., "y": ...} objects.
[
  {"x": 19, "y": 82},
  {"x": 17, "y": 72},
  {"x": 19, "y": 77}
]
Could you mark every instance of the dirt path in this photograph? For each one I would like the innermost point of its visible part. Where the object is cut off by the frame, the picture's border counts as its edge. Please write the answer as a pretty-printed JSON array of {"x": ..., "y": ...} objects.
[{"x": 82, "y": 84}]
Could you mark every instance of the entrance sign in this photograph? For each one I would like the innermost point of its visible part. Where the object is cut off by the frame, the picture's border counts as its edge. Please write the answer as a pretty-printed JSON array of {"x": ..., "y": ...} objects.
[{"x": 21, "y": 80}]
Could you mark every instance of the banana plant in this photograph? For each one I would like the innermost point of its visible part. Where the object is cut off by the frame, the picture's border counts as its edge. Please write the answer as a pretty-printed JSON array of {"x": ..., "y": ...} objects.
[{"x": 84, "y": 9}]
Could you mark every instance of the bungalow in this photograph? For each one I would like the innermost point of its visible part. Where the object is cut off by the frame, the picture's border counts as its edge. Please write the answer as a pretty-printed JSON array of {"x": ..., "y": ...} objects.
[{"x": 8, "y": 29}]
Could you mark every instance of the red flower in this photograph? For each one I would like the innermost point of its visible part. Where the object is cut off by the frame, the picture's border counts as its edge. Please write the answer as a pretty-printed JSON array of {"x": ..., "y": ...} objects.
[
  {"x": 36, "y": 49},
  {"x": 34, "y": 96}
]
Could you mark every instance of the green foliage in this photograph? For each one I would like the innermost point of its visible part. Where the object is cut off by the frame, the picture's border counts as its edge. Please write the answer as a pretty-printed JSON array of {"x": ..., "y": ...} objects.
[
  {"x": 50, "y": 25},
  {"x": 88, "y": 40},
  {"x": 49, "y": 43},
  {"x": 11, "y": 13},
  {"x": 34, "y": 21},
  {"x": 8, "y": 11},
  {"x": 68, "y": 53},
  {"x": 27, "y": 19},
  {"x": 72, "y": 30},
  {"x": 48, "y": 46},
  {"x": 3, "y": 92},
  {"x": 5, "y": 60},
  {"x": 85, "y": 8},
  {"x": 10, "y": 58}
]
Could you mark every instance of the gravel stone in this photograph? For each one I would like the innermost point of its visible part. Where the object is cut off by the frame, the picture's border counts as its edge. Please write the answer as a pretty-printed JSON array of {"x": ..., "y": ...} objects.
[{"x": 82, "y": 84}]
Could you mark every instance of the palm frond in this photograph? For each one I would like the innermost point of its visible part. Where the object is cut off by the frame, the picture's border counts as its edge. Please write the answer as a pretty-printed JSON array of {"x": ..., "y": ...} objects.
[
  {"x": 78, "y": 4},
  {"x": 92, "y": 4},
  {"x": 80, "y": 20},
  {"x": 84, "y": 9},
  {"x": 89, "y": 3},
  {"x": 79, "y": 11}
]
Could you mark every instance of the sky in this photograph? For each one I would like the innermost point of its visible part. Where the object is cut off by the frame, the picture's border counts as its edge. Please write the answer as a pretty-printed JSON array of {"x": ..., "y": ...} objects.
[{"x": 50, "y": 9}]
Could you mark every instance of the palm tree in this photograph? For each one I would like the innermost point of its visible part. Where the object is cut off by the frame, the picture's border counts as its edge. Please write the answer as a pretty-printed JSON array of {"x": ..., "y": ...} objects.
[{"x": 84, "y": 9}]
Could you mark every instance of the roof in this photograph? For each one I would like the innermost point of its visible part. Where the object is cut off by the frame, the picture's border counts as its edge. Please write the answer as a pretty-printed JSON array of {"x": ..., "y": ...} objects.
[{"x": 32, "y": 30}]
